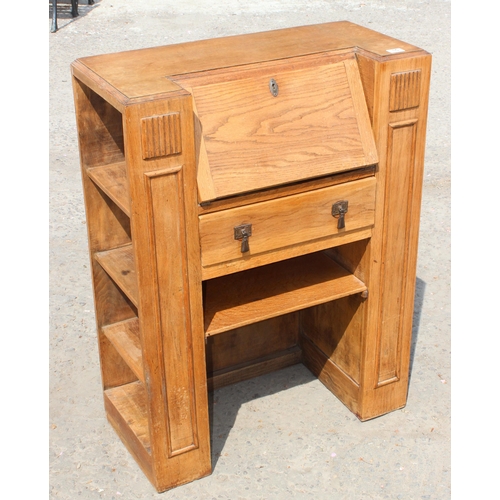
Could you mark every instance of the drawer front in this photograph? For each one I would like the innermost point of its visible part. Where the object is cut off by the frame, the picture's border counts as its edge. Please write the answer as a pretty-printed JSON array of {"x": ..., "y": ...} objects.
[{"x": 286, "y": 222}]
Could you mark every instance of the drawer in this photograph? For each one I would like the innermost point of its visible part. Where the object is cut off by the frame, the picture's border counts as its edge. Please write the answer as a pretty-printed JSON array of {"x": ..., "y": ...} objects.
[{"x": 288, "y": 222}]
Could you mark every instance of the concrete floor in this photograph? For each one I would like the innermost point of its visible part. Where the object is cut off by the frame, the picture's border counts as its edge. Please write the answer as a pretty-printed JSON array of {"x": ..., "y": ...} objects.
[{"x": 282, "y": 435}]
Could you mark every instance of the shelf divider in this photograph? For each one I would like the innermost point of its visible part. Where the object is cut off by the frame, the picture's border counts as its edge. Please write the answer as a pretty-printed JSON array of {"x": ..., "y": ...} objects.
[
  {"x": 120, "y": 266},
  {"x": 243, "y": 298},
  {"x": 126, "y": 407},
  {"x": 125, "y": 337},
  {"x": 112, "y": 179}
]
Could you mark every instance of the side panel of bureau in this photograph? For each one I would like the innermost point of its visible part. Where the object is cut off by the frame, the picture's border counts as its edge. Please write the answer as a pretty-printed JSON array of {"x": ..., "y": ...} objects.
[
  {"x": 400, "y": 121},
  {"x": 160, "y": 162},
  {"x": 380, "y": 328}
]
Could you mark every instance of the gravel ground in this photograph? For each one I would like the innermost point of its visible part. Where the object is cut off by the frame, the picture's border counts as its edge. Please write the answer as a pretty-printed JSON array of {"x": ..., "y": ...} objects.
[{"x": 268, "y": 442}]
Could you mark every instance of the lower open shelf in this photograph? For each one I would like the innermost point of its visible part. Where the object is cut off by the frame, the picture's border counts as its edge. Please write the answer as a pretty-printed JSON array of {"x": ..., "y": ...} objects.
[
  {"x": 265, "y": 292},
  {"x": 254, "y": 295},
  {"x": 127, "y": 409}
]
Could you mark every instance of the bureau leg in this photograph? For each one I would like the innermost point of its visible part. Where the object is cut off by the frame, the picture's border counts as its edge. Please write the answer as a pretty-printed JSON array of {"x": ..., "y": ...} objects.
[
  {"x": 360, "y": 349},
  {"x": 399, "y": 124},
  {"x": 169, "y": 280}
]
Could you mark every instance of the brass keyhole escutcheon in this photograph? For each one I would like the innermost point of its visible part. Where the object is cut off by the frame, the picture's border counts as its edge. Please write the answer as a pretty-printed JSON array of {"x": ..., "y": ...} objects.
[{"x": 273, "y": 87}]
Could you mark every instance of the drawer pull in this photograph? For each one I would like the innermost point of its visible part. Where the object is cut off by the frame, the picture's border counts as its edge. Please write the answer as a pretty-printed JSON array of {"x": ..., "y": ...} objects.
[
  {"x": 339, "y": 209},
  {"x": 242, "y": 233}
]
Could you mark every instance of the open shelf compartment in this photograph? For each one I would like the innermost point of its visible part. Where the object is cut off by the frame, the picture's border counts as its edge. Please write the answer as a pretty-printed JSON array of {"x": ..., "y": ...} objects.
[
  {"x": 234, "y": 301},
  {"x": 112, "y": 179},
  {"x": 126, "y": 407},
  {"x": 125, "y": 337},
  {"x": 120, "y": 266},
  {"x": 258, "y": 294}
]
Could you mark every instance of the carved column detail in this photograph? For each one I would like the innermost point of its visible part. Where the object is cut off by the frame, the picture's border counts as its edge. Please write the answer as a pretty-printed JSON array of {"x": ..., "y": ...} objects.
[
  {"x": 405, "y": 90},
  {"x": 161, "y": 135},
  {"x": 164, "y": 230}
]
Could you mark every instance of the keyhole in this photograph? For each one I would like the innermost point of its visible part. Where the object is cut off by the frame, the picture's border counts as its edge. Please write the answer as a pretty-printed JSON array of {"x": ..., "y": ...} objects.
[{"x": 273, "y": 87}]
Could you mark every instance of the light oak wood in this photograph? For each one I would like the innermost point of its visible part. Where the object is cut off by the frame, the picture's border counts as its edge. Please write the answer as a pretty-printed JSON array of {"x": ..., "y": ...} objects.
[
  {"x": 278, "y": 255},
  {"x": 100, "y": 136},
  {"x": 400, "y": 135},
  {"x": 130, "y": 402},
  {"x": 318, "y": 124},
  {"x": 167, "y": 263},
  {"x": 126, "y": 76},
  {"x": 286, "y": 222},
  {"x": 336, "y": 330},
  {"x": 180, "y": 144},
  {"x": 112, "y": 179},
  {"x": 288, "y": 190},
  {"x": 120, "y": 265},
  {"x": 125, "y": 337},
  {"x": 320, "y": 364},
  {"x": 267, "y": 291},
  {"x": 389, "y": 264},
  {"x": 126, "y": 408},
  {"x": 255, "y": 368},
  {"x": 100, "y": 128},
  {"x": 252, "y": 343}
]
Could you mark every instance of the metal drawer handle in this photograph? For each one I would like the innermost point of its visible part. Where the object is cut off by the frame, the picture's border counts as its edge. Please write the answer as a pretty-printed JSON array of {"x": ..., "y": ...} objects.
[
  {"x": 339, "y": 209},
  {"x": 242, "y": 233}
]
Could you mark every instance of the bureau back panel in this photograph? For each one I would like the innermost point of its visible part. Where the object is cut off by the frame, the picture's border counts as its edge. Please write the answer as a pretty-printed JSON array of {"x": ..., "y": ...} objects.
[{"x": 276, "y": 123}]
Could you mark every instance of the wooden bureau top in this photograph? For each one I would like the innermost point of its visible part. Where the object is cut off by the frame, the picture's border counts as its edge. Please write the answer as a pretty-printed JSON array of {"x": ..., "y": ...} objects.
[{"x": 144, "y": 73}]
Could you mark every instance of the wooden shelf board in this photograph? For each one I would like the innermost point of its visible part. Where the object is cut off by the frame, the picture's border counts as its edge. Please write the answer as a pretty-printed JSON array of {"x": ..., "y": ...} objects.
[
  {"x": 257, "y": 294},
  {"x": 120, "y": 266},
  {"x": 127, "y": 407},
  {"x": 112, "y": 179},
  {"x": 125, "y": 337}
]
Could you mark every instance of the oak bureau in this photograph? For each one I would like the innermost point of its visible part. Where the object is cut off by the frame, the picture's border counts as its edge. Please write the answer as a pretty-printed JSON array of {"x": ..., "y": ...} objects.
[{"x": 252, "y": 202}]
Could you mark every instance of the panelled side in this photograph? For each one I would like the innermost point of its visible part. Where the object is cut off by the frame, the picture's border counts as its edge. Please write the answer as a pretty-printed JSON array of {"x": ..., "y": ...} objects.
[
  {"x": 400, "y": 101},
  {"x": 161, "y": 169}
]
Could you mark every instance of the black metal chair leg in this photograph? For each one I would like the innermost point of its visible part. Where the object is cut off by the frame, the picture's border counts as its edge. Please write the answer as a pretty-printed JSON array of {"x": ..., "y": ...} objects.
[
  {"x": 74, "y": 12},
  {"x": 74, "y": 8},
  {"x": 53, "y": 29}
]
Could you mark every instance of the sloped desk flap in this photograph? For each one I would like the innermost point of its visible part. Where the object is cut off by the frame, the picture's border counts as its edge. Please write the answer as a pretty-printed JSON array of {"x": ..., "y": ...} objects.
[{"x": 252, "y": 133}]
